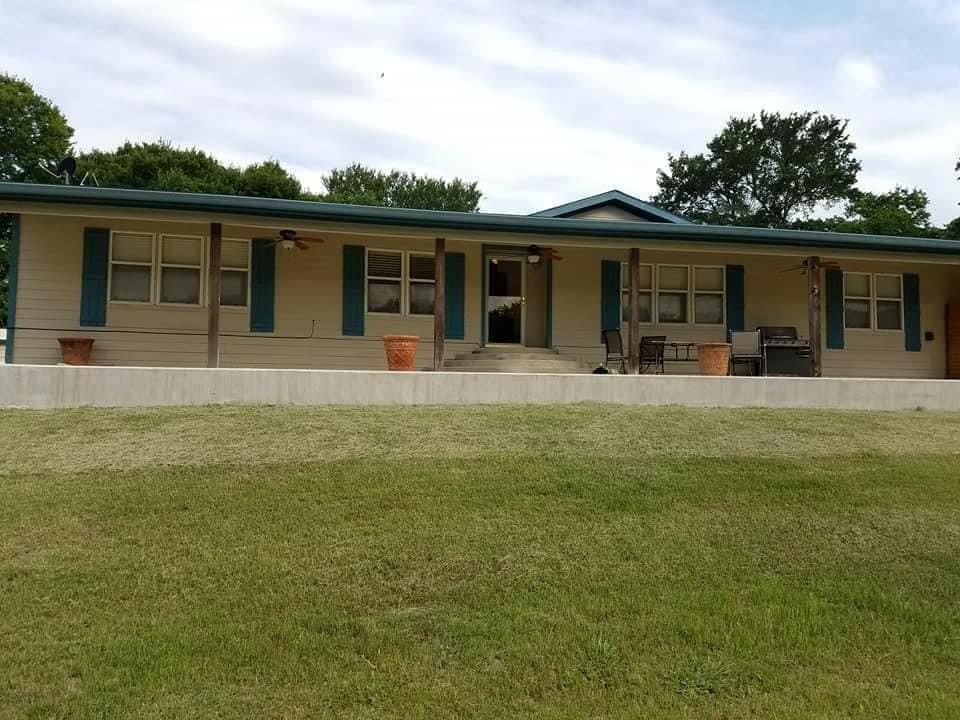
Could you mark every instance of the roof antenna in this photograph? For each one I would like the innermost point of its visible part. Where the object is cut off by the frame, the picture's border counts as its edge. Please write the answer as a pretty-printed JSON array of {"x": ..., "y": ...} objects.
[{"x": 65, "y": 170}]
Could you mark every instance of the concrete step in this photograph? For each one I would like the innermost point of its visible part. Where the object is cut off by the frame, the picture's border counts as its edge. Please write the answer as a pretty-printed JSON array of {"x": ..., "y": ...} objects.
[
  {"x": 556, "y": 366},
  {"x": 514, "y": 350},
  {"x": 572, "y": 370},
  {"x": 508, "y": 353}
]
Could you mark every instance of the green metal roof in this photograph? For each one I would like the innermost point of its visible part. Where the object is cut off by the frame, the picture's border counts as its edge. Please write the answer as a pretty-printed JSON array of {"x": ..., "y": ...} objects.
[
  {"x": 22, "y": 196},
  {"x": 616, "y": 198}
]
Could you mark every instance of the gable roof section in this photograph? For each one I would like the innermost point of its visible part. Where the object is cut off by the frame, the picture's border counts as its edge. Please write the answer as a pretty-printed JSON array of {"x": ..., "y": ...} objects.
[
  {"x": 20, "y": 196},
  {"x": 638, "y": 207}
]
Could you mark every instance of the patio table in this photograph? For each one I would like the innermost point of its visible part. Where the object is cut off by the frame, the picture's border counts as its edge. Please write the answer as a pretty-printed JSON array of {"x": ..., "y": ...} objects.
[{"x": 682, "y": 350}]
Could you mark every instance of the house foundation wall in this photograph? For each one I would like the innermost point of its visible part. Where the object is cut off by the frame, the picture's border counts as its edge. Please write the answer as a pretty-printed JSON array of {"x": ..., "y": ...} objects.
[{"x": 47, "y": 387}]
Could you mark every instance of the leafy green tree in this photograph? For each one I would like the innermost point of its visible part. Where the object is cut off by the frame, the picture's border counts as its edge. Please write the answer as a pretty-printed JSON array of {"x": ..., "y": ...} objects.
[
  {"x": 901, "y": 212},
  {"x": 160, "y": 166},
  {"x": 766, "y": 171},
  {"x": 32, "y": 130},
  {"x": 952, "y": 230},
  {"x": 360, "y": 185}
]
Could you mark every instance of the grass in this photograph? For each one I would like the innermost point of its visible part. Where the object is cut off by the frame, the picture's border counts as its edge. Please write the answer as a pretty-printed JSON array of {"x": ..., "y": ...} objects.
[{"x": 479, "y": 563}]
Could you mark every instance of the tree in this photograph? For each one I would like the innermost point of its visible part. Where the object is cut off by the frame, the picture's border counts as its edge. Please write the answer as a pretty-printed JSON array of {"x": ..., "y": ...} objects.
[
  {"x": 160, "y": 166},
  {"x": 768, "y": 171},
  {"x": 32, "y": 129},
  {"x": 900, "y": 212},
  {"x": 952, "y": 230},
  {"x": 359, "y": 185}
]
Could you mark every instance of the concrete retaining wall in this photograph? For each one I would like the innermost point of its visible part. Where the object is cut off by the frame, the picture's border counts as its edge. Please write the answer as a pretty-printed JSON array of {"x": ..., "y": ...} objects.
[{"x": 45, "y": 386}]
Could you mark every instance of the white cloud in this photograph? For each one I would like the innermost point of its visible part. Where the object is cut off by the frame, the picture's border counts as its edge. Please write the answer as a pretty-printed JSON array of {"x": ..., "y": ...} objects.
[
  {"x": 539, "y": 102},
  {"x": 859, "y": 73}
]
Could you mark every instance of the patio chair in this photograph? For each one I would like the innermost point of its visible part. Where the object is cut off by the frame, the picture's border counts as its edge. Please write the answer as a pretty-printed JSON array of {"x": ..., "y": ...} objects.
[
  {"x": 613, "y": 342},
  {"x": 745, "y": 348},
  {"x": 651, "y": 353}
]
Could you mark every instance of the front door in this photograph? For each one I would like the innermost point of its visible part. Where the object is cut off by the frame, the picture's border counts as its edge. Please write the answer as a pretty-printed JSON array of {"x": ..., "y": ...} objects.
[{"x": 505, "y": 300}]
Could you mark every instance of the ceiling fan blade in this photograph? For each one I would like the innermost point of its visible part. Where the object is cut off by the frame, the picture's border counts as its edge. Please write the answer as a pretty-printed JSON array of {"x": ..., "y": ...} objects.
[
  {"x": 301, "y": 244},
  {"x": 309, "y": 239},
  {"x": 267, "y": 239}
]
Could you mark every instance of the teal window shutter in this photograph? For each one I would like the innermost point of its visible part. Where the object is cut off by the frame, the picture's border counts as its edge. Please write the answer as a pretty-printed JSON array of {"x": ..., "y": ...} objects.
[
  {"x": 911, "y": 312},
  {"x": 455, "y": 295},
  {"x": 736, "y": 305},
  {"x": 354, "y": 260},
  {"x": 13, "y": 251},
  {"x": 609, "y": 294},
  {"x": 93, "y": 283},
  {"x": 263, "y": 267},
  {"x": 834, "y": 283}
]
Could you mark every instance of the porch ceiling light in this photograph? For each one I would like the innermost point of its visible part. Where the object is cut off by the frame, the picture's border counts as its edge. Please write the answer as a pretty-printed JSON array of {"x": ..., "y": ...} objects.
[
  {"x": 287, "y": 244},
  {"x": 533, "y": 257}
]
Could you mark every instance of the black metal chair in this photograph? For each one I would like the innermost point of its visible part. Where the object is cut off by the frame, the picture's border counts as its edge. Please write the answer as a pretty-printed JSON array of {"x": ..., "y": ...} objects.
[
  {"x": 745, "y": 348},
  {"x": 613, "y": 343},
  {"x": 651, "y": 353}
]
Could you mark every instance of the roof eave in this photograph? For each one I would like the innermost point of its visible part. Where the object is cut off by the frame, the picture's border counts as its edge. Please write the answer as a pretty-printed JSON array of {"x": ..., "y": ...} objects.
[{"x": 26, "y": 194}]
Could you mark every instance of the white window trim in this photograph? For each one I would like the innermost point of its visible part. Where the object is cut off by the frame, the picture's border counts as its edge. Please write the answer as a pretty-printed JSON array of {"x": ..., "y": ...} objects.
[
  {"x": 408, "y": 281},
  {"x": 691, "y": 292},
  {"x": 233, "y": 308},
  {"x": 160, "y": 265},
  {"x": 151, "y": 265},
  {"x": 404, "y": 281},
  {"x": 872, "y": 301}
]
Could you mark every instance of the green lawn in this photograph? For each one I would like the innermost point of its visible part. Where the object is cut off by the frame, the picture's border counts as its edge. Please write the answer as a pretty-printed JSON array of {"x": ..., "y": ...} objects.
[{"x": 479, "y": 563}]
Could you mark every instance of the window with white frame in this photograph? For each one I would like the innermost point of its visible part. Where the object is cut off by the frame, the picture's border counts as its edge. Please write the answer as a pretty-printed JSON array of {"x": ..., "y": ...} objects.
[
  {"x": 667, "y": 292},
  {"x": 872, "y": 301},
  {"x": 181, "y": 269},
  {"x": 673, "y": 294},
  {"x": 645, "y": 293},
  {"x": 131, "y": 267},
  {"x": 384, "y": 281},
  {"x": 421, "y": 279},
  {"x": 234, "y": 273},
  {"x": 708, "y": 293},
  {"x": 400, "y": 282}
]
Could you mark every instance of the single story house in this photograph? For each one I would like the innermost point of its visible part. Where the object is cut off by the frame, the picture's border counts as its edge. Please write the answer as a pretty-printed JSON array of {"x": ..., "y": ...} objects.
[{"x": 188, "y": 279}]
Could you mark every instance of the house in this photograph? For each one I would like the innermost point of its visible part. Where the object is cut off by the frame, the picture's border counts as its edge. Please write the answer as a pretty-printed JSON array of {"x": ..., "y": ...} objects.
[{"x": 316, "y": 285}]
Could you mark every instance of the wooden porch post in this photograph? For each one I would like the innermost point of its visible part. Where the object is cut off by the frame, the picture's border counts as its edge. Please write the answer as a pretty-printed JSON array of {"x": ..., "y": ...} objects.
[
  {"x": 439, "y": 295},
  {"x": 633, "y": 311},
  {"x": 813, "y": 311},
  {"x": 213, "y": 297}
]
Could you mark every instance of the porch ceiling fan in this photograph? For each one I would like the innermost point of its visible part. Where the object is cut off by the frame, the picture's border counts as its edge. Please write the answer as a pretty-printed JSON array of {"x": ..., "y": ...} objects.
[
  {"x": 804, "y": 267},
  {"x": 288, "y": 240},
  {"x": 536, "y": 254}
]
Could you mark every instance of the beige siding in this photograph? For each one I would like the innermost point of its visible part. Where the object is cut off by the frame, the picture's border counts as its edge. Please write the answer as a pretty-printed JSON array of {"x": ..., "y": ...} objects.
[
  {"x": 308, "y": 307},
  {"x": 307, "y": 331}
]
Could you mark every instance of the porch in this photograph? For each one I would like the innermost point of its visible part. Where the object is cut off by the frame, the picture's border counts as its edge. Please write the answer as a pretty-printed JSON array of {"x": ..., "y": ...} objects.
[{"x": 881, "y": 314}]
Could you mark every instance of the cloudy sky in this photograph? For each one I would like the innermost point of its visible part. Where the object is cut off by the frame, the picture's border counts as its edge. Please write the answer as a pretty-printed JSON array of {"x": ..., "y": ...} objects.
[{"x": 540, "y": 101}]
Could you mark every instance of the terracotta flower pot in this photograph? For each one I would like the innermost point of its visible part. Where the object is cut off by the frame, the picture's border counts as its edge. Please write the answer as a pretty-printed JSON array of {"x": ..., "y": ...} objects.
[
  {"x": 76, "y": 350},
  {"x": 401, "y": 351},
  {"x": 714, "y": 358}
]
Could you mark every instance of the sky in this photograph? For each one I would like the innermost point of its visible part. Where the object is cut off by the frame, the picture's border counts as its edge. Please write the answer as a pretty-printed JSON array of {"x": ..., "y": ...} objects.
[{"x": 540, "y": 101}]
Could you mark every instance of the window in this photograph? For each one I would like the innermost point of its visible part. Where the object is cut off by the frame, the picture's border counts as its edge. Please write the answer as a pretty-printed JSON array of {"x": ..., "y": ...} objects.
[
  {"x": 420, "y": 282},
  {"x": 872, "y": 301},
  {"x": 181, "y": 258},
  {"x": 400, "y": 283},
  {"x": 131, "y": 267},
  {"x": 889, "y": 305},
  {"x": 673, "y": 285},
  {"x": 668, "y": 299},
  {"x": 708, "y": 287},
  {"x": 384, "y": 281},
  {"x": 234, "y": 272},
  {"x": 645, "y": 287}
]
